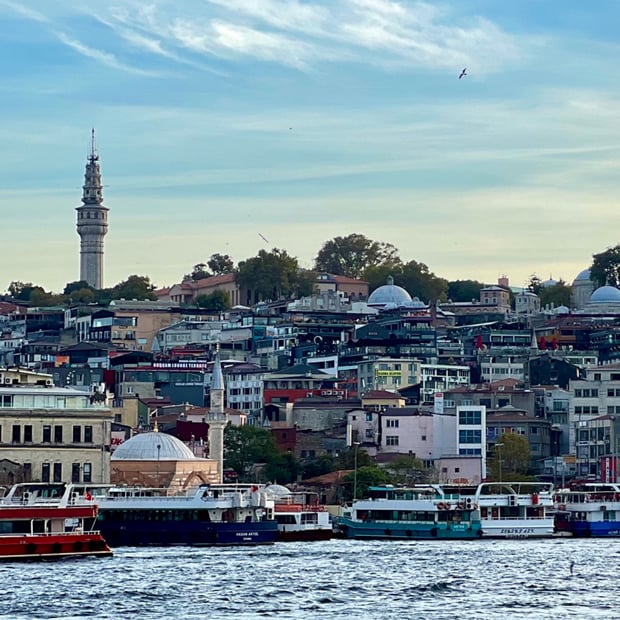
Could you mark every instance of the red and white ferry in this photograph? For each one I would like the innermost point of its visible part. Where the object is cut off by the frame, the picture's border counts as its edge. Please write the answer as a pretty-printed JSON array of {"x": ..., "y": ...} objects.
[
  {"x": 299, "y": 514},
  {"x": 42, "y": 521}
]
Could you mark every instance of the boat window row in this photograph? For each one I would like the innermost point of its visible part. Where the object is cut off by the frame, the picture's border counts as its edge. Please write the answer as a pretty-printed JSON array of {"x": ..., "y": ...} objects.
[
  {"x": 154, "y": 515},
  {"x": 418, "y": 516}
]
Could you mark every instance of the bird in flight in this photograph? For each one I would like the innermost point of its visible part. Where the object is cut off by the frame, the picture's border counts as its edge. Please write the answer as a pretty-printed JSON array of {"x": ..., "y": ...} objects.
[
  {"x": 263, "y": 238},
  {"x": 463, "y": 73}
]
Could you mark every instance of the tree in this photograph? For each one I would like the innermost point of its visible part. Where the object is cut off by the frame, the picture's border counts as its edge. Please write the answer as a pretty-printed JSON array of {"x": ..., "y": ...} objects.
[
  {"x": 135, "y": 287},
  {"x": 606, "y": 267},
  {"x": 220, "y": 264},
  {"x": 351, "y": 255},
  {"x": 408, "y": 469},
  {"x": 464, "y": 290},
  {"x": 515, "y": 456},
  {"x": 199, "y": 272},
  {"x": 418, "y": 280},
  {"x": 535, "y": 284},
  {"x": 282, "y": 468},
  {"x": 78, "y": 285},
  {"x": 41, "y": 299},
  {"x": 559, "y": 294},
  {"x": 244, "y": 446},
  {"x": 270, "y": 276},
  {"x": 348, "y": 459},
  {"x": 218, "y": 301},
  {"x": 318, "y": 466},
  {"x": 21, "y": 290},
  {"x": 367, "y": 476}
]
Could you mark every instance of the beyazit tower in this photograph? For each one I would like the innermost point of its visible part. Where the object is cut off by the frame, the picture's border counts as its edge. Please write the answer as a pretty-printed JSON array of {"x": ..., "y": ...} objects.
[{"x": 92, "y": 221}]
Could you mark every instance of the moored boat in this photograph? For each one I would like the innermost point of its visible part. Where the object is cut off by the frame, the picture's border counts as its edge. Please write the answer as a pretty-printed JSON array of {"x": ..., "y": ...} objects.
[
  {"x": 589, "y": 509},
  {"x": 299, "y": 514},
  {"x": 509, "y": 509},
  {"x": 217, "y": 514},
  {"x": 411, "y": 513},
  {"x": 41, "y": 521}
]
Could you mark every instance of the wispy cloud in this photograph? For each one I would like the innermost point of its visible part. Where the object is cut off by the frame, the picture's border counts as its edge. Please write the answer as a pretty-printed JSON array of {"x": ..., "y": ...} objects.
[
  {"x": 105, "y": 58},
  {"x": 305, "y": 34},
  {"x": 23, "y": 11}
]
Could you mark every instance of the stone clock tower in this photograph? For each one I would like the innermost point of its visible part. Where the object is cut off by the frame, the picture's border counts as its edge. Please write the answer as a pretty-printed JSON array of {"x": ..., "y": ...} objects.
[{"x": 92, "y": 221}]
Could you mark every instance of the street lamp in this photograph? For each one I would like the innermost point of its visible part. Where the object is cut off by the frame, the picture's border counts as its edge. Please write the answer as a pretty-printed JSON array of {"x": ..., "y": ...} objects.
[
  {"x": 499, "y": 447},
  {"x": 356, "y": 444}
]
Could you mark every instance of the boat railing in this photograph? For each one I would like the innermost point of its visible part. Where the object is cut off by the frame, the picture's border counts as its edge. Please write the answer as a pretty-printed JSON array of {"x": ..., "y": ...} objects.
[{"x": 299, "y": 507}]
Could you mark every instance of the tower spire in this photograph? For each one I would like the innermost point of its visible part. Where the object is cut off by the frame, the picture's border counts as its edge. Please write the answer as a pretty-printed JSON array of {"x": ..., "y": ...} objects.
[
  {"x": 92, "y": 220},
  {"x": 217, "y": 418}
]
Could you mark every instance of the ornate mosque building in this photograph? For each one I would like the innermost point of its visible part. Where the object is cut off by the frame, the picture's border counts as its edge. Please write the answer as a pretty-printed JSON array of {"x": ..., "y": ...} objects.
[{"x": 92, "y": 221}]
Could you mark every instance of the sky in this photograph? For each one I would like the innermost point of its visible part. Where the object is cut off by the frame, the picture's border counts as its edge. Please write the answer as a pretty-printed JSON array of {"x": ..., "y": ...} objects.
[{"x": 222, "y": 123}]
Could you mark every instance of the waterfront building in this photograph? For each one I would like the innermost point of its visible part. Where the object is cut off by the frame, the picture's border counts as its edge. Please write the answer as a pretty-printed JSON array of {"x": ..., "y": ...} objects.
[
  {"x": 92, "y": 221},
  {"x": 54, "y": 434}
]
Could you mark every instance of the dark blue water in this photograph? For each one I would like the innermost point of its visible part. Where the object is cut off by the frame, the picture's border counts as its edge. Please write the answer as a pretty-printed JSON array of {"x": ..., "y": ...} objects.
[{"x": 333, "y": 579}]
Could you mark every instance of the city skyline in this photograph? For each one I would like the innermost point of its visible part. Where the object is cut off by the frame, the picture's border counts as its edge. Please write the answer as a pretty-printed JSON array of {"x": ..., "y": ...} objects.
[{"x": 224, "y": 123}]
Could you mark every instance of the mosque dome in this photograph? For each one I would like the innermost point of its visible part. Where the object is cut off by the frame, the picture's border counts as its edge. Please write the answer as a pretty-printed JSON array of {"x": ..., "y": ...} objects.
[
  {"x": 583, "y": 276},
  {"x": 417, "y": 304},
  {"x": 153, "y": 446},
  {"x": 389, "y": 293},
  {"x": 548, "y": 283},
  {"x": 605, "y": 295}
]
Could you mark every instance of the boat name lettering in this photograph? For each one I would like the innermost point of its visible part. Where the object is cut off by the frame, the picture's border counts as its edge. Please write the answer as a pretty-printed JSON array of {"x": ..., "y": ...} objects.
[
  {"x": 517, "y": 530},
  {"x": 247, "y": 533}
]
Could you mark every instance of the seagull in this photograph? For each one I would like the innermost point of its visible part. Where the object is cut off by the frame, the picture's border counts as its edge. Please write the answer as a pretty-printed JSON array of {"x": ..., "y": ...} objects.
[
  {"x": 263, "y": 238},
  {"x": 463, "y": 72}
]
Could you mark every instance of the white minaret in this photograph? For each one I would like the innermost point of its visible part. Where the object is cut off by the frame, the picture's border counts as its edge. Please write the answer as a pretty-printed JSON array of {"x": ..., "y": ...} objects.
[
  {"x": 217, "y": 418},
  {"x": 92, "y": 221}
]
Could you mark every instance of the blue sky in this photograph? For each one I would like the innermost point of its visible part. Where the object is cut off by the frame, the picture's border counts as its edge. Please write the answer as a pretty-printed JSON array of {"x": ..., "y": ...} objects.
[{"x": 217, "y": 120}]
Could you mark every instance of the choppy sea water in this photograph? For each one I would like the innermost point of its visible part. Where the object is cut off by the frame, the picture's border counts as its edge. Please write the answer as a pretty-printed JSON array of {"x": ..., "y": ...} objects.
[{"x": 331, "y": 579}]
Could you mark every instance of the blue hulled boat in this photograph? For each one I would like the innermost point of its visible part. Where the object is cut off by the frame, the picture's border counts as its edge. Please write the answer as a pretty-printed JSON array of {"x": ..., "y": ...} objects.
[
  {"x": 413, "y": 513},
  {"x": 589, "y": 509},
  {"x": 219, "y": 514}
]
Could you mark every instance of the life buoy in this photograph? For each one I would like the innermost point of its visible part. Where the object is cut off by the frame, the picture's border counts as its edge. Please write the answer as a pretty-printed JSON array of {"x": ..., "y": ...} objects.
[
  {"x": 447, "y": 504},
  {"x": 441, "y": 506}
]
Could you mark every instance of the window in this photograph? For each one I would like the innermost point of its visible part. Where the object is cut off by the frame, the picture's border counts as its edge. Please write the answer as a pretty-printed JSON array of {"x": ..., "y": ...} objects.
[
  {"x": 45, "y": 472},
  {"x": 391, "y": 440},
  {"x": 369, "y": 433},
  {"x": 470, "y": 417},
  {"x": 77, "y": 434},
  {"x": 57, "y": 472},
  {"x": 17, "y": 433},
  {"x": 28, "y": 433},
  {"x": 369, "y": 417},
  {"x": 27, "y": 469},
  {"x": 392, "y": 423},
  {"x": 57, "y": 435},
  {"x": 470, "y": 435},
  {"x": 47, "y": 438},
  {"x": 6, "y": 400},
  {"x": 75, "y": 472},
  {"x": 87, "y": 472},
  {"x": 88, "y": 434}
]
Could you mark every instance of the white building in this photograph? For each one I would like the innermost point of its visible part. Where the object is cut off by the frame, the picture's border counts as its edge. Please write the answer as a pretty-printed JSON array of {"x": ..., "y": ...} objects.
[
  {"x": 386, "y": 373},
  {"x": 441, "y": 377}
]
